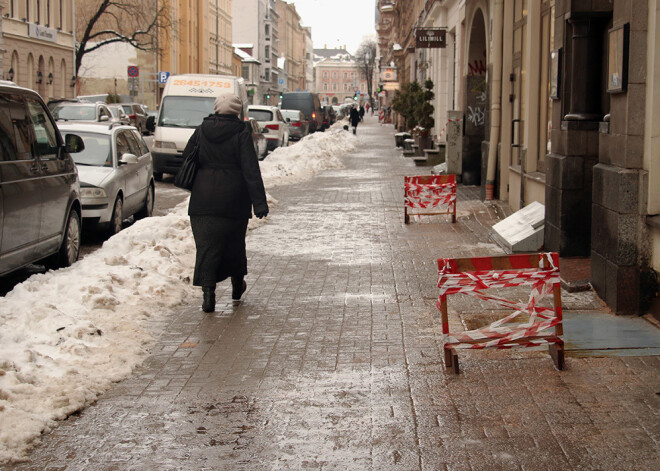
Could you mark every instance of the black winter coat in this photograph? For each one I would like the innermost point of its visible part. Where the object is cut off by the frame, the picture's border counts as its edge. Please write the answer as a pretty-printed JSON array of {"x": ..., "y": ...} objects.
[{"x": 228, "y": 181}]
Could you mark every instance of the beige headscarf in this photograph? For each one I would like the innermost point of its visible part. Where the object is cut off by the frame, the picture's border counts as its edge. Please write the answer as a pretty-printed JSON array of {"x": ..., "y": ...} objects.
[{"x": 228, "y": 103}]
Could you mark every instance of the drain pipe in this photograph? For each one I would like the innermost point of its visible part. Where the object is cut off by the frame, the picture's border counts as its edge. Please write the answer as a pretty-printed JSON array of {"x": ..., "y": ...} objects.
[{"x": 496, "y": 98}]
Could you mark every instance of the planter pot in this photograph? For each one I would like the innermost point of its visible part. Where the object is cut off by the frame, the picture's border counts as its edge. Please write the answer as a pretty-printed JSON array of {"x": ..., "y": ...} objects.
[{"x": 424, "y": 142}]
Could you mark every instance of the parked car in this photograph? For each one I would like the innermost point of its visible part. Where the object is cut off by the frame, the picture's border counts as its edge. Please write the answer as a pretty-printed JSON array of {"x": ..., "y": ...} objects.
[
  {"x": 309, "y": 104},
  {"x": 116, "y": 174},
  {"x": 137, "y": 115},
  {"x": 39, "y": 188},
  {"x": 272, "y": 124},
  {"x": 258, "y": 138},
  {"x": 118, "y": 115},
  {"x": 298, "y": 124},
  {"x": 81, "y": 111}
]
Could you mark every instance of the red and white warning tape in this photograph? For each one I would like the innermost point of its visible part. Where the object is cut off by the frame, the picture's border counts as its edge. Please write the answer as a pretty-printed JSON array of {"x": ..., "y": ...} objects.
[{"x": 499, "y": 334}]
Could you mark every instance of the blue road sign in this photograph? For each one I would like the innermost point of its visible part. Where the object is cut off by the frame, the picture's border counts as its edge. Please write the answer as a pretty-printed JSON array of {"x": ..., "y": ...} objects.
[{"x": 163, "y": 76}]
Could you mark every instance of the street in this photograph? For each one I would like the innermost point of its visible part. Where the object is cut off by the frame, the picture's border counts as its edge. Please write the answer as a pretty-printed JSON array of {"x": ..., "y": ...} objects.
[{"x": 334, "y": 358}]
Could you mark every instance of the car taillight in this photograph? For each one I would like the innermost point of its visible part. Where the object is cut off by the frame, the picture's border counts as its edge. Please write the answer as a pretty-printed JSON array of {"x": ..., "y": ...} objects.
[
  {"x": 296, "y": 124},
  {"x": 274, "y": 127},
  {"x": 131, "y": 116}
]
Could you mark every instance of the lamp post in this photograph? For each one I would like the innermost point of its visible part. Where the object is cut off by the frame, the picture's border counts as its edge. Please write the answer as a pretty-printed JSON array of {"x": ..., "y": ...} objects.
[
  {"x": 40, "y": 77},
  {"x": 10, "y": 74}
]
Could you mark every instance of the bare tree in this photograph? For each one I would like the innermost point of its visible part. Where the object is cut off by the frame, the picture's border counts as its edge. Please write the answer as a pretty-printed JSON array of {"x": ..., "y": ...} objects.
[
  {"x": 134, "y": 22},
  {"x": 366, "y": 59}
]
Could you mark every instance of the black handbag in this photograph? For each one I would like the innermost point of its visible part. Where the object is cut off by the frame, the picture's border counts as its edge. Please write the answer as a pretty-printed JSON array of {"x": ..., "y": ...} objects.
[{"x": 186, "y": 176}]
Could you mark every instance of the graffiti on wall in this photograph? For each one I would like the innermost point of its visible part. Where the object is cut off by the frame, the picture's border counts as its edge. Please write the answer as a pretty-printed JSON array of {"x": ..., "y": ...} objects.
[{"x": 477, "y": 66}]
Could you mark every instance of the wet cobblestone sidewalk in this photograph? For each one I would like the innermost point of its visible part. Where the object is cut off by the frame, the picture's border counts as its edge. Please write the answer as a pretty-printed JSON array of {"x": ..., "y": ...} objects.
[{"x": 334, "y": 360}]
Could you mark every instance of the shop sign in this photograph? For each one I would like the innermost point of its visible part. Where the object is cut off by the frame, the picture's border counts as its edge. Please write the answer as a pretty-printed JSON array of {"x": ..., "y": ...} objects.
[
  {"x": 388, "y": 74},
  {"x": 430, "y": 38}
]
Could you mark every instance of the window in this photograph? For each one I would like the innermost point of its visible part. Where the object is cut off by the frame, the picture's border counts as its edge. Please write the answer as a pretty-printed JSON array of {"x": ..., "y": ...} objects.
[
  {"x": 345, "y": 75},
  {"x": 245, "y": 72},
  {"x": 334, "y": 86},
  {"x": 45, "y": 137},
  {"x": 325, "y": 87},
  {"x": 352, "y": 75},
  {"x": 334, "y": 75},
  {"x": 123, "y": 146},
  {"x": 7, "y": 132},
  {"x": 325, "y": 75}
]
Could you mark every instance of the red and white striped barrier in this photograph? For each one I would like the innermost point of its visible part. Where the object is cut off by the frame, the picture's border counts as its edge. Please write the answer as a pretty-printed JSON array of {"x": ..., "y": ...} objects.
[
  {"x": 428, "y": 192},
  {"x": 472, "y": 276}
]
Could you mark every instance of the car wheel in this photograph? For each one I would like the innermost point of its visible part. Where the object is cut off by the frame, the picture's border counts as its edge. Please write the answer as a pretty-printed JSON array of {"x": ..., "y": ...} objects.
[
  {"x": 148, "y": 209},
  {"x": 158, "y": 176},
  {"x": 117, "y": 220},
  {"x": 70, "y": 246}
]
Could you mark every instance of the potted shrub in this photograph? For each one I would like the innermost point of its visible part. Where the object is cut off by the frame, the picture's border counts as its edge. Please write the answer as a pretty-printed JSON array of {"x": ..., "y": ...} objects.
[{"x": 424, "y": 116}]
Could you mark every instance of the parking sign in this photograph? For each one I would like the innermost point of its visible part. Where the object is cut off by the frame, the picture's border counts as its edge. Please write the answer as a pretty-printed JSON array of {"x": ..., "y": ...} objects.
[
  {"x": 133, "y": 71},
  {"x": 163, "y": 76}
]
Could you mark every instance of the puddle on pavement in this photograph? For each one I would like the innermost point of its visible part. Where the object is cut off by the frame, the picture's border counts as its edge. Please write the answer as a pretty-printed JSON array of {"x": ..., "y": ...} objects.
[{"x": 601, "y": 334}]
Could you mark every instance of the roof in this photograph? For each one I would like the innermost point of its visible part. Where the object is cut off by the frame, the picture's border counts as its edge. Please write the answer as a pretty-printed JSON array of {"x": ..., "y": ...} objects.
[
  {"x": 245, "y": 57},
  {"x": 330, "y": 52},
  {"x": 105, "y": 127}
]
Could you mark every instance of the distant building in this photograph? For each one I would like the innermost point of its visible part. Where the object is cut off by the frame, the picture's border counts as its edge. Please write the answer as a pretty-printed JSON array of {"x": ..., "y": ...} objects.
[
  {"x": 292, "y": 48},
  {"x": 38, "y": 47},
  {"x": 338, "y": 77},
  {"x": 250, "y": 69},
  {"x": 255, "y": 22}
]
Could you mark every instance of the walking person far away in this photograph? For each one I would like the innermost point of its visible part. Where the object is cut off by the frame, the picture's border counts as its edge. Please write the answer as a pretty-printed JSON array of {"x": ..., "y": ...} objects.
[
  {"x": 354, "y": 117},
  {"x": 227, "y": 186}
]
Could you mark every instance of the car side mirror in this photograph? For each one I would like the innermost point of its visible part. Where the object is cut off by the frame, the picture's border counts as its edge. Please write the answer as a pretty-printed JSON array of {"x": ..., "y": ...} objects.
[
  {"x": 104, "y": 118},
  {"x": 128, "y": 159},
  {"x": 73, "y": 143},
  {"x": 151, "y": 123},
  {"x": 288, "y": 120}
]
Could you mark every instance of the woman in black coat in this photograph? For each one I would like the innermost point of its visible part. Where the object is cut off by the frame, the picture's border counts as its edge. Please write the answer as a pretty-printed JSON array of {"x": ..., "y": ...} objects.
[
  {"x": 354, "y": 117},
  {"x": 227, "y": 186}
]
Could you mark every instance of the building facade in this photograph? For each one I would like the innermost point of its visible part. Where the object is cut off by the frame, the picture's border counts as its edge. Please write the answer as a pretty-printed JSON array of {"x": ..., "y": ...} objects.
[
  {"x": 38, "y": 43},
  {"x": 555, "y": 102},
  {"x": 338, "y": 77},
  {"x": 292, "y": 47},
  {"x": 308, "y": 63}
]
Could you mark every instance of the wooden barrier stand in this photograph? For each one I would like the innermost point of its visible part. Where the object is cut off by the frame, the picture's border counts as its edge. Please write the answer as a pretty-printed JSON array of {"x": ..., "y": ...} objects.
[
  {"x": 472, "y": 276},
  {"x": 429, "y": 192}
]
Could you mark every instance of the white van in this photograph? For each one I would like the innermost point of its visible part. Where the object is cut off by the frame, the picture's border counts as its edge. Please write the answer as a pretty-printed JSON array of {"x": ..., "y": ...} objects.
[{"x": 187, "y": 100}]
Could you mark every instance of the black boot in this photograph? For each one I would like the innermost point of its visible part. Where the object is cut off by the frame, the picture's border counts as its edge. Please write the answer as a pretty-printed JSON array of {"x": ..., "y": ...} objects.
[
  {"x": 238, "y": 286},
  {"x": 208, "y": 304}
]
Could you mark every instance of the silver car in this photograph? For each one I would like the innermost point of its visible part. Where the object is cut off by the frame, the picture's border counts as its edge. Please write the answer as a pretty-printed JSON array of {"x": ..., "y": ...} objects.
[{"x": 116, "y": 174}]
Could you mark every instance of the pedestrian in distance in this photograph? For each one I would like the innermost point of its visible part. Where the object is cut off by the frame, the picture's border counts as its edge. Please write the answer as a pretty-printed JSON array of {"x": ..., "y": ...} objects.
[
  {"x": 227, "y": 186},
  {"x": 361, "y": 112},
  {"x": 354, "y": 117}
]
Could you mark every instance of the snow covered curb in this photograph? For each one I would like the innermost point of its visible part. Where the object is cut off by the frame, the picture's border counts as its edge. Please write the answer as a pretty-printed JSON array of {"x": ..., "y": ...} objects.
[{"x": 67, "y": 335}]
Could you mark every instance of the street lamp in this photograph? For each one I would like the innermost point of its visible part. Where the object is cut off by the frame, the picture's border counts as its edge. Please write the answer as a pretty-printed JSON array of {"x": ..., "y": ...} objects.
[
  {"x": 10, "y": 74},
  {"x": 50, "y": 78},
  {"x": 40, "y": 77},
  {"x": 73, "y": 81}
]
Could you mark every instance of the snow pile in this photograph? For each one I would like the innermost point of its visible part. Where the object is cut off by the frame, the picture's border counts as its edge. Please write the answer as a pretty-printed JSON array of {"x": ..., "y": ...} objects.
[
  {"x": 66, "y": 335},
  {"x": 318, "y": 152}
]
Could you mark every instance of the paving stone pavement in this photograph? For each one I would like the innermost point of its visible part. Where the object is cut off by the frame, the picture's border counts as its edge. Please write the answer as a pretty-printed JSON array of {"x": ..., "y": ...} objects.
[{"x": 334, "y": 359}]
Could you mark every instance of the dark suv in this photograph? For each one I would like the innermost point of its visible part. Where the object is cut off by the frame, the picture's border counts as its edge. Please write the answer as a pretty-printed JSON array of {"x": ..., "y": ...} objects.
[{"x": 39, "y": 188}]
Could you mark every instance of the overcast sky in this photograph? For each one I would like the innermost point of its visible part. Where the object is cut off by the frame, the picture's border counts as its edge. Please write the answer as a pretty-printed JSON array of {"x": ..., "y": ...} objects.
[{"x": 338, "y": 23}]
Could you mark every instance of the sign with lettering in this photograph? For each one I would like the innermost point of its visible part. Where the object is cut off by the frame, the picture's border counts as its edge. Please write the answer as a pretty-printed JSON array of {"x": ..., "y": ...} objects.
[
  {"x": 430, "y": 38},
  {"x": 42, "y": 32}
]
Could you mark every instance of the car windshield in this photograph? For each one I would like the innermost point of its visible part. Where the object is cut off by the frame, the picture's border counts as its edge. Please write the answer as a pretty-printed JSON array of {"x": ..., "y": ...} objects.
[
  {"x": 127, "y": 109},
  {"x": 75, "y": 113},
  {"x": 261, "y": 115},
  {"x": 184, "y": 111},
  {"x": 97, "y": 150},
  {"x": 115, "y": 111}
]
